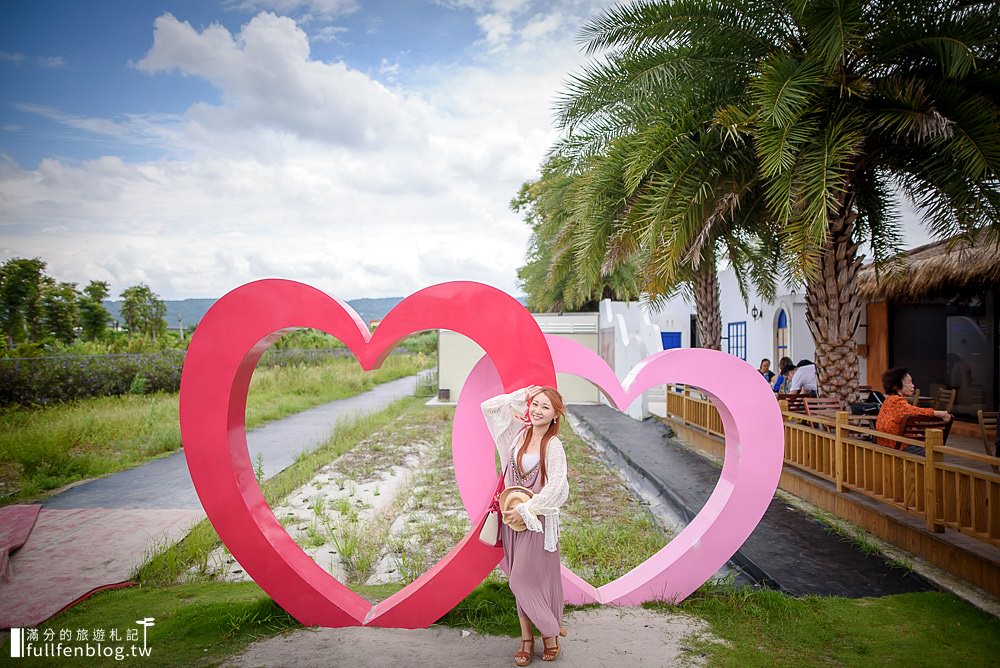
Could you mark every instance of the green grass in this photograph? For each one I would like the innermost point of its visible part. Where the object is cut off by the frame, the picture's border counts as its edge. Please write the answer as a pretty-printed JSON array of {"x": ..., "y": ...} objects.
[
  {"x": 201, "y": 624},
  {"x": 605, "y": 530},
  {"x": 766, "y": 628},
  {"x": 45, "y": 448},
  {"x": 192, "y": 552},
  {"x": 196, "y": 624}
]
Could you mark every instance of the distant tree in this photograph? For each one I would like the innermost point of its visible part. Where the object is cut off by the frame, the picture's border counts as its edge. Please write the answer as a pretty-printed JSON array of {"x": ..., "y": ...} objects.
[
  {"x": 20, "y": 299},
  {"x": 93, "y": 316},
  {"x": 60, "y": 310},
  {"x": 143, "y": 311}
]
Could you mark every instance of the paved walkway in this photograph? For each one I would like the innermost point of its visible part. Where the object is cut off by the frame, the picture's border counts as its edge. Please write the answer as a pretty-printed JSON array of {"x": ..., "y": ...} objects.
[
  {"x": 166, "y": 483},
  {"x": 788, "y": 550},
  {"x": 93, "y": 535}
]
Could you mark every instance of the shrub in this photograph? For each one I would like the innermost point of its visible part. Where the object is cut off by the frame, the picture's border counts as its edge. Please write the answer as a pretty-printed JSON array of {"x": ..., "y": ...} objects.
[{"x": 45, "y": 380}]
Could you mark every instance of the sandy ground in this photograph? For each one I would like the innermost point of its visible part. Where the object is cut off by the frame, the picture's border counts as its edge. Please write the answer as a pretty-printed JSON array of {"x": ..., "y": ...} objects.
[{"x": 597, "y": 637}]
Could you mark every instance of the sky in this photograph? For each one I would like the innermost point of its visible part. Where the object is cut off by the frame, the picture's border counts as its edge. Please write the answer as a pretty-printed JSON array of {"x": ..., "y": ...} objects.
[{"x": 367, "y": 148}]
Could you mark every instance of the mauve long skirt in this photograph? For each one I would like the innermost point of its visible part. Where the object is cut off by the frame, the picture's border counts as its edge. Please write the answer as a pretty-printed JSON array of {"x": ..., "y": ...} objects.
[{"x": 535, "y": 576}]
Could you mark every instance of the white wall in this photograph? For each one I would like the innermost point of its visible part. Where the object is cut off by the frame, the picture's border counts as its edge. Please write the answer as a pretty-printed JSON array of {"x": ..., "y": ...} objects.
[
  {"x": 761, "y": 333},
  {"x": 457, "y": 354},
  {"x": 628, "y": 336}
]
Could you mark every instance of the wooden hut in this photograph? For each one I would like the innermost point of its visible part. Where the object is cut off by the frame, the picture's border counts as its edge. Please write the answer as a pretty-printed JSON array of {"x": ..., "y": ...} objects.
[{"x": 935, "y": 311}]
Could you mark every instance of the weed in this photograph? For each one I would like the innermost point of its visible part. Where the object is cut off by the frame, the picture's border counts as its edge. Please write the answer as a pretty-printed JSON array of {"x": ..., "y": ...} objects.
[
  {"x": 342, "y": 505},
  {"x": 410, "y": 563},
  {"x": 258, "y": 467},
  {"x": 314, "y": 536},
  {"x": 345, "y": 541}
]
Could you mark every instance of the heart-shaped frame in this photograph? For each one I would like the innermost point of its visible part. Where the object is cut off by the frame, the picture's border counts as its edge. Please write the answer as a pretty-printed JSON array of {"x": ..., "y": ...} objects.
[
  {"x": 750, "y": 472},
  {"x": 220, "y": 361}
]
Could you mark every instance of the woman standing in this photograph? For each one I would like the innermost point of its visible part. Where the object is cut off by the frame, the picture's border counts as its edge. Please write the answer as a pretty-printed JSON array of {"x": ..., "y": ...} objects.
[{"x": 524, "y": 425}]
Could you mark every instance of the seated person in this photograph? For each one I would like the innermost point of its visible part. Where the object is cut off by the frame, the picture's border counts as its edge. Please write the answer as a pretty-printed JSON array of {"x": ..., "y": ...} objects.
[
  {"x": 784, "y": 378},
  {"x": 804, "y": 379},
  {"x": 765, "y": 370},
  {"x": 898, "y": 386}
]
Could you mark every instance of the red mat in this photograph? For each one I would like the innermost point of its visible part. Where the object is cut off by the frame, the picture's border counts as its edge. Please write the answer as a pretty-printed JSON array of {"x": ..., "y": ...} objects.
[
  {"x": 70, "y": 554},
  {"x": 15, "y": 525}
]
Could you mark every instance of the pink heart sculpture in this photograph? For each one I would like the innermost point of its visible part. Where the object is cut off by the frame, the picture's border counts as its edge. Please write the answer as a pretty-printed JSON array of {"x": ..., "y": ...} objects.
[
  {"x": 220, "y": 361},
  {"x": 750, "y": 472}
]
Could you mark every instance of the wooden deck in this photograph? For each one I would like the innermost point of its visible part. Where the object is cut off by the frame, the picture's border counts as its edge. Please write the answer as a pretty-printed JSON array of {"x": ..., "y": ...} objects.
[{"x": 944, "y": 506}]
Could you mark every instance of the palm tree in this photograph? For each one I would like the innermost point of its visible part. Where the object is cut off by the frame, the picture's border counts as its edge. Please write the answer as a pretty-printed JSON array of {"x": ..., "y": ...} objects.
[
  {"x": 683, "y": 195},
  {"x": 552, "y": 276},
  {"x": 845, "y": 103}
]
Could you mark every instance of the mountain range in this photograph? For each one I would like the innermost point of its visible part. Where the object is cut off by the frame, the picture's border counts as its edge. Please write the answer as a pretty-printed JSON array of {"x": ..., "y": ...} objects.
[{"x": 190, "y": 311}]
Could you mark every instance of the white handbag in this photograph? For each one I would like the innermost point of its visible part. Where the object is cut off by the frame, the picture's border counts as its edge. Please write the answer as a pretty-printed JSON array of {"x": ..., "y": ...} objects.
[{"x": 489, "y": 532}]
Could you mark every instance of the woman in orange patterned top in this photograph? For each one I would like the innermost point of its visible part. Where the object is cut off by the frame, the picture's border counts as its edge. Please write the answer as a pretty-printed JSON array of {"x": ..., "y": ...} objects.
[{"x": 898, "y": 386}]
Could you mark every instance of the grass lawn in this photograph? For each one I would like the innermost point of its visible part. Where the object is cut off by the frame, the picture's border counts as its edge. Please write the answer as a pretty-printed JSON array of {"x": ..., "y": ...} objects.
[
  {"x": 765, "y": 628},
  {"x": 202, "y": 623},
  {"x": 45, "y": 448}
]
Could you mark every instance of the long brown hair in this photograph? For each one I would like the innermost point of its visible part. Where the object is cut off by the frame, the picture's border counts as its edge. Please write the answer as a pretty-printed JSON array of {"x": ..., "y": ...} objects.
[{"x": 560, "y": 409}]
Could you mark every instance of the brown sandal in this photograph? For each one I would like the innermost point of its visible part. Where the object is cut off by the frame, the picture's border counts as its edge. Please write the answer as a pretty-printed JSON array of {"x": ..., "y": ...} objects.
[
  {"x": 550, "y": 653},
  {"x": 523, "y": 658}
]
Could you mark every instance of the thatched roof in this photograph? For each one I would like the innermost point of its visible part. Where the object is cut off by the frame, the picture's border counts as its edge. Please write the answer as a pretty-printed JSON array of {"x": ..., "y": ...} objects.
[{"x": 929, "y": 270}]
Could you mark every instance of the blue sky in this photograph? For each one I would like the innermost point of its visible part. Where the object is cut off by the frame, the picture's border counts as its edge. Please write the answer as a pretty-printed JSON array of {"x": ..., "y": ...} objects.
[
  {"x": 368, "y": 148},
  {"x": 77, "y": 58}
]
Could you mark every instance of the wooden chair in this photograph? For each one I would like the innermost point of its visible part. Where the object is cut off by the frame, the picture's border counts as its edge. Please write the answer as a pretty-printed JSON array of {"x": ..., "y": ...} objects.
[
  {"x": 795, "y": 402},
  {"x": 987, "y": 424},
  {"x": 824, "y": 406},
  {"x": 943, "y": 400},
  {"x": 916, "y": 426}
]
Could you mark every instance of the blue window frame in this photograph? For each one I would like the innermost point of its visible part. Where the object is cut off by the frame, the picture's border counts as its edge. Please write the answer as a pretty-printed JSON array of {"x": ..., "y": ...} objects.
[
  {"x": 738, "y": 339},
  {"x": 670, "y": 340}
]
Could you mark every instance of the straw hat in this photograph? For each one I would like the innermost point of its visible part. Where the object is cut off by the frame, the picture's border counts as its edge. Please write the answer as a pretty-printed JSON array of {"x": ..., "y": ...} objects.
[{"x": 510, "y": 498}]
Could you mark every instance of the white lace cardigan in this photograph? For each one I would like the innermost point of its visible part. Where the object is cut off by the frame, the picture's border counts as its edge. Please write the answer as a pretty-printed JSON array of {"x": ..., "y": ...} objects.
[{"x": 503, "y": 418}]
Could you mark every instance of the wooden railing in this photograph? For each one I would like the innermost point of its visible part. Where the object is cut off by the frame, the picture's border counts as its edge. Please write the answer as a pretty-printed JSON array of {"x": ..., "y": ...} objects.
[{"x": 942, "y": 486}]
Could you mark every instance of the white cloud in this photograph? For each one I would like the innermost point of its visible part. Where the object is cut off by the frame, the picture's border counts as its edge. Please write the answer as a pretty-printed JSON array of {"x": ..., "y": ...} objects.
[
  {"x": 541, "y": 25},
  {"x": 12, "y": 57},
  {"x": 322, "y": 8},
  {"x": 498, "y": 28},
  {"x": 269, "y": 82},
  {"x": 51, "y": 62},
  {"x": 48, "y": 62},
  {"x": 327, "y": 34},
  {"x": 304, "y": 169}
]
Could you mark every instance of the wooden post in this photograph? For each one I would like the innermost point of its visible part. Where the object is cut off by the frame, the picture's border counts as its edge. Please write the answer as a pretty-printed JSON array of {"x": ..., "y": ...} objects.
[
  {"x": 684, "y": 404},
  {"x": 933, "y": 458},
  {"x": 838, "y": 451}
]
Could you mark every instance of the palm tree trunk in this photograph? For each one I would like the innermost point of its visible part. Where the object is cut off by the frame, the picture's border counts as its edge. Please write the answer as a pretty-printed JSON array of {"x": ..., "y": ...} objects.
[
  {"x": 706, "y": 303},
  {"x": 833, "y": 308}
]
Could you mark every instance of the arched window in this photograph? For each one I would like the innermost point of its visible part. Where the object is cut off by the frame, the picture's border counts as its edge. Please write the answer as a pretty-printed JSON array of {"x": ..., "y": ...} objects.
[{"x": 781, "y": 336}]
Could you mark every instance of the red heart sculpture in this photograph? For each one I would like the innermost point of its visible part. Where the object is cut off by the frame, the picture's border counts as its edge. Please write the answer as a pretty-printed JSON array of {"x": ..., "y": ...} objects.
[{"x": 220, "y": 361}]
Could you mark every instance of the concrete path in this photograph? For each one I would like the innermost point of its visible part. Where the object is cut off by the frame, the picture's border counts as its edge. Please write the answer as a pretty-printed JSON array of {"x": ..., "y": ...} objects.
[
  {"x": 788, "y": 550},
  {"x": 166, "y": 483},
  {"x": 598, "y": 637}
]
